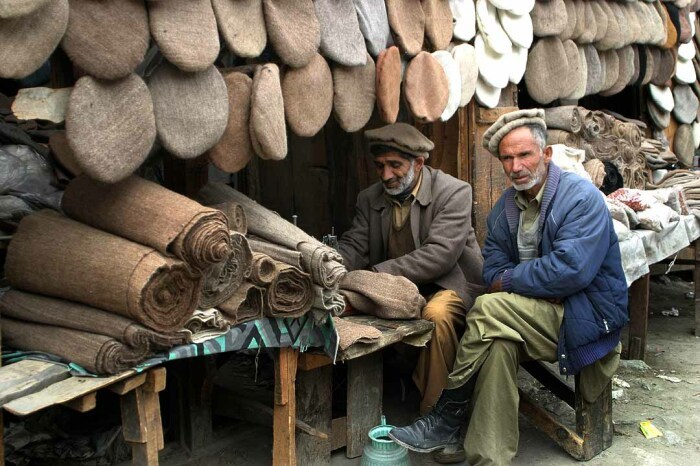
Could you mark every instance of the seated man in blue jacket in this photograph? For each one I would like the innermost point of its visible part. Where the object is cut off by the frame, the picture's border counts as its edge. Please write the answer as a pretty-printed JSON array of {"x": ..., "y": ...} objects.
[{"x": 557, "y": 291}]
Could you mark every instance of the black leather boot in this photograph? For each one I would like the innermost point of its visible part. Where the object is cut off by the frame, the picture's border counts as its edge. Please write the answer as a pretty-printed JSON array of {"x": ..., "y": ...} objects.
[{"x": 437, "y": 429}]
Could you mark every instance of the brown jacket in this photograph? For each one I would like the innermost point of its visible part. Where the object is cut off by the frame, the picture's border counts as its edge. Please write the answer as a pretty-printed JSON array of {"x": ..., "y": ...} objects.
[{"x": 446, "y": 253}]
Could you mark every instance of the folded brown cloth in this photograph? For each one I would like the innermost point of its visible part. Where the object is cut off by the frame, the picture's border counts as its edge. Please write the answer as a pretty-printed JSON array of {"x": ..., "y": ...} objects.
[
  {"x": 276, "y": 252},
  {"x": 98, "y": 354},
  {"x": 350, "y": 332},
  {"x": 263, "y": 270},
  {"x": 382, "y": 295},
  {"x": 40, "y": 309},
  {"x": 237, "y": 220},
  {"x": 223, "y": 278},
  {"x": 245, "y": 305},
  {"x": 290, "y": 294},
  {"x": 53, "y": 255},
  {"x": 150, "y": 214}
]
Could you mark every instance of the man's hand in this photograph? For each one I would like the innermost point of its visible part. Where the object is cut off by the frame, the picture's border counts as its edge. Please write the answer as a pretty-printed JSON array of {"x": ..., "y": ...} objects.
[{"x": 495, "y": 287}]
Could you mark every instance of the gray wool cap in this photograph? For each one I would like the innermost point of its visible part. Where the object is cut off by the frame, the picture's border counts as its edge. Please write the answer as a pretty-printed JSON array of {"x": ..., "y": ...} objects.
[{"x": 508, "y": 122}]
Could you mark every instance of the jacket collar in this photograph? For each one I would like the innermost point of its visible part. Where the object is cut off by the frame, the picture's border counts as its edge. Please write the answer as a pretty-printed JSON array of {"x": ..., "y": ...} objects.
[
  {"x": 423, "y": 197},
  {"x": 550, "y": 188}
]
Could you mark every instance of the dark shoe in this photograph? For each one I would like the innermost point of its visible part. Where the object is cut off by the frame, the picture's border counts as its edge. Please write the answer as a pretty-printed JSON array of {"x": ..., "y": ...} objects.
[
  {"x": 437, "y": 429},
  {"x": 450, "y": 454}
]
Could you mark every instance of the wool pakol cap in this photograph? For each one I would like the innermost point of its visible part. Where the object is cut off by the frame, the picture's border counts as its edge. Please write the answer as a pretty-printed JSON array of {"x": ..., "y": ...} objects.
[
  {"x": 374, "y": 25},
  {"x": 242, "y": 25},
  {"x": 491, "y": 29},
  {"x": 401, "y": 136},
  {"x": 684, "y": 145},
  {"x": 454, "y": 80},
  {"x": 464, "y": 15},
  {"x": 388, "y": 84},
  {"x": 510, "y": 121},
  {"x": 486, "y": 94},
  {"x": 293, "y": 30},
  {"x": 425, "y": 88},
  {"x": 686, "y": 107},
  {"x": 438, "y": 23},
  {"x": 407, "y": 22},
  {"x": 465, "y": 56},
  {"x": 17, "y": 8},
  {"x": 354, "y": 94},
  {"x": 341, "y": 38}
]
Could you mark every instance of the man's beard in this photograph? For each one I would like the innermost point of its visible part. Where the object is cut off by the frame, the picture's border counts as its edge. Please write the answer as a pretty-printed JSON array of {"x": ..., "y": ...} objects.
[
  {"x": 405, "y": 183},
  {"x": 535, "y": 178}
]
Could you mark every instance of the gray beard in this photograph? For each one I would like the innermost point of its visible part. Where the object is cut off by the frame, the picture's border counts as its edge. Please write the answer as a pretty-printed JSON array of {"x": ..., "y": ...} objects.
[
  {"x": 536, "y": 179},
  {"x": 404, "y": 184}
]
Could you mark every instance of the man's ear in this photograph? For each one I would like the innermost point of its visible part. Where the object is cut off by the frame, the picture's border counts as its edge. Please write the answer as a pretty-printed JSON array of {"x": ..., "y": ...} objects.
[
  {"x": 420, "y": 161},
  {"x": 548, "y": 154}
]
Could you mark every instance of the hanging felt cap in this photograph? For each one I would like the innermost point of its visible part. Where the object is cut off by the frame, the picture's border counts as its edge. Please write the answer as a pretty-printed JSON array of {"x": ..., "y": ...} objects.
[
  {"x": 684, "y": 145},
  {"x": 401, "y": 136},
  {"x": 17, "y": 8},
  {"x": 426, "y": 88},
  {"x": 389, "y": 84},
  {"x": 293, "y": 30},
  {"x": 549, "y": 18},
  {"x": 407, "y": 22},
  {"x": 354, "y": 94},
  {"x": 438, "y": 23},
  {"x": 454, "y": 80},
  {"x": 374, "y": 25},
  {"x": 686, "y": 107},
  {"x": 268, "y": 132},
  {"x": 464, "y": 16},
  {"x": 508, "y": 122},
  {"x": 487, "y": 95},
  {"x": 547, "y": 63},
  {"x": 308, "y": 96},
  {"x": 242, "y": 25},
  {"x": 465, "y": 55},
  {"x": 341, "y": 39}
]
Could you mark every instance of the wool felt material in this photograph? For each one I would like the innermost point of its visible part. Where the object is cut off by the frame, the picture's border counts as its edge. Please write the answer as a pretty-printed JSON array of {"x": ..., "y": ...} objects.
[
  {"x": 383, "y": 295},
  {"x": 547, "y": 62},
  {"x": 548, "y": 18},
  {"x": 242, "y": 25},
  {"x": 622, "y": 22},
  {"x": 684, "y": 146},
  {"x": 507, "y": 123},
  {"x": 568, "y": 86},
  {"x": 671, "y": 32},
  {"x": 601, "y": 21},
  {"x": 221, "y": 280},
  {"x": 323, "y": 264},
  {"x": 594, "y": 70},
  {"x": 646, "y": 64},
  {"x": 234, "y": 150},
  {"x": 374, "y": 25},
  {"x": 579, "y": 17},
  {"x": 191, "y": 109},
  {"x": 518, "y": 64},
  {"x": 636, "y": 74},
  {"x": 401, "y": 136},
  {"x": 465, "y": 55},
  {"x": 268, "y": 133},
  {"x": 237, "y": 219},
  {"x": 490, "y": 27},
  {"x": 107, "y": 39},
  {"x": 581, "y": 76},
  {"x": 17, "y": 8},
  {"x": 307, "y": 94},
  {"x": 388, "y": 84},
  {"x": 663, "y": 97},
  {"x": 438, "y": 23},
  {"x": 350, "y": 333},
  {"x": 518, "y": 28},
  {"x": 487, "y": 95},
  {"x": 425, "y": 88},
  {"x": 454, "y": 82},
  {"x": 290, "y": 294},
  {"x": 464, "y": 14},
  {"x": 494, "y": 68},
  {"x": 245, "y": 305},
  {"x": 664, "y": 66},
  {"x": 110, "y": 126},
  {"x": 58, "y": 142},
  {"x": 83, "y": 264},
  {"x": 589, "y": 32},
  {"x": 293, "y": 30},
  {"x": 205, "y": 325},
  {"x": 27, "y": 41},
  {"x": 150, "y": 214},
  {"x": 407, "y": 23},
  {"x": 686, "y": 107},
  {"x": 626, "y": 70},
  {"x": 613, "y": 31},
  {"x": 185, "y": 31},
  {"x": 517, "y": 7},
  {"x": 571, "y": 17},
  {"x": 685, "y": 72},
  {"x": 686, "y": 51},
  {"x": 262, "y": 248},
  {"x": 341, "y": 38},
  {"x": 660, "y": 117},
  {"x": 354, "y": 94},
  {"x": 263, "y": 270}
]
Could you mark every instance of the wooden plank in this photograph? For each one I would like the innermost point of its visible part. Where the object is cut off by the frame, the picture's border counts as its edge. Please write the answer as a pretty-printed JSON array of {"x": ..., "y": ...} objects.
[
  {"x": 594, "y": 422},
  {"x": 61, "y": 392},
  {"x": 365, "y": 387},
  {"x": 28, "y": 376},
  {"x": 551, "y": 381},
  {"x": 83, "y": 404},
  {"x": 311, "y": 361},
  {"x": 639, "y": 316},
  {"x": 339, "y": 432},
  {"x": 284, "y": 445},
  {"x": 313, "y": 396},
  {"x": 569, "y": 440},
  {"x": 125, "y": 386},
  {"x": 696, "y": 278},
  {"x": 155, "y": 380}
]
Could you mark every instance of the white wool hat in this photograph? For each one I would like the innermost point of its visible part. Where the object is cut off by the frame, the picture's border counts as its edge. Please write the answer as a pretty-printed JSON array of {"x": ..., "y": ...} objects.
[
  {"x": 465, "y": 55},
  {"x": 454, "y": 81},
  {"x": 517, "y": 27},
  {"x": 517, "y": 7},
  {"x": 494, "y": 68},
  {"x": 464, "y": 16},
  {"x": 490, "y": 27},
  {"x": 518, "y": 64},
  {"x": 663, "y": 97},
  {"x": 487, "y": 95},
  {"x": 685, "y": 71},
  {"x": 686, "y": 51},
  {"x": 696, "y": 134}
]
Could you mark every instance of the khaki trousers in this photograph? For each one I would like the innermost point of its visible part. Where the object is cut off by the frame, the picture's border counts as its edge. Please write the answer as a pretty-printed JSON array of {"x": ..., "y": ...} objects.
[
  {"x": 502, "y": 330},
  {"x": 446, "y": 310}
]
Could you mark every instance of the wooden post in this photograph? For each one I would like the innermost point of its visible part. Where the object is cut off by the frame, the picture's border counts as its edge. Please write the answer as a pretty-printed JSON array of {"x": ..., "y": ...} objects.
[
  {"x": 696, "y": 279},
  {"x": 365, "y": 386},
  {"x": 141, "y": 421},
  {"x": 314, "y": 396},
  {"x": 194, "y": 404},
  {"x": 284, "y": 423},
  {"x": 638, "y": 311},
  {"x": 594, "y": 422}
]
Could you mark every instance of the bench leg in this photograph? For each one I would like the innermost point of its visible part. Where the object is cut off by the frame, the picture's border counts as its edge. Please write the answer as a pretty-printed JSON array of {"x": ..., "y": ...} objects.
[
  {"x": 696, "y": 279},
  {"x": 639, "y": 316},
  {"x": 284, "y": 418},
  {"x": 141, "y": 421},
  {"x": 365, "y": 387},
  {"x": 314, "y": 400},
  {"x": 594, "y": 422}
]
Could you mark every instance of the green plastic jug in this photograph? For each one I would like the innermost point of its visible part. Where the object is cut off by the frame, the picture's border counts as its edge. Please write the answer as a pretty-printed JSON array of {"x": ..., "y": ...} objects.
[{"x": 381, "y": 450}]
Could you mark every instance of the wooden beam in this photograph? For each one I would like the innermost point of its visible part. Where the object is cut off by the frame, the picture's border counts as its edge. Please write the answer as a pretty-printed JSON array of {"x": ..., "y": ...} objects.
[
  {"x": 141, "y": 421},
  {"x": 365, "y": 387},
  {"x": 551, "y": 381},
  {"x": 569, "y": 440},
  {"x": 339, "y": 432},
  {"x": 284, "y": 446},
  {"x": 639, "y": 316},
  {"x": 125, "y": 386},
  {"x": 311, "y": 361},
  {"x": 29, "y": 376},
  {"x": 83, "y": 404}
]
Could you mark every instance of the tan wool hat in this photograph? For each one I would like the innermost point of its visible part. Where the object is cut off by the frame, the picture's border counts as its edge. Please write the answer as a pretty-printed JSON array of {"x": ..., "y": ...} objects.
[
  {"x": 601, "y": 21},
  {"x": 234, "y": 149},
  {"x": 58, "y": 142},
  {"x": 242, "y": 25},
  {"x": 582, "y": 76},
  {"x": 569, "y": 85},
  {"x": 268, "y": 133},
  {"x": 626, "y": 70},
  {"x": 686, "y": 104},
  {"x": 454, "y": 80},
  {"x": 590, "y": 31},
  {"x": 594, "y": 70},
  {"x": 401, "y": 136},
  {"x": 549, "y": 18},
  {"x": 374, "y": 24},
  {"x": 507, "y": 123},
  {"x": 293, "y": 30},
  {"x": 191, "y": 109},
  {"x": 407, "y": 22},
  {"x": 438, "y": 23},
  {"x": 465, "y": 55},
  {"x": 308, "y": 96},
  {"x": 425, "y": 88},
  {"x": 27, "y": 41},
  {"x": 610, "y": 62},
  {"x": 107, "y": 39},
  {"x": 185, "y": 31},
  {"x": 354, "y": 94},
  {"x": 571, "y": 20},
  {"x": 341, "y": 38},
  {"x": 389, "y": 84},
  {"x": 546, "y": 64},
  {"x": 659, "y": 117},
  {"x": 684, "y": 146},
  {"x": 110, "y": 126},
  {"x": 17, "y": 8}
]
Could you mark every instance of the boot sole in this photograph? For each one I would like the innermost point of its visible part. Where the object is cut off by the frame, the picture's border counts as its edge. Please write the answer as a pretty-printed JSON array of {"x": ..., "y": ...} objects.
[{"x": 414, "y": 448}]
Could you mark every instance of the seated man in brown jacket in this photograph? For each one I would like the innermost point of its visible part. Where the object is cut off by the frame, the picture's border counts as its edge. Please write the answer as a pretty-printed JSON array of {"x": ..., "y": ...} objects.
[{"x": 416, "y": 222}]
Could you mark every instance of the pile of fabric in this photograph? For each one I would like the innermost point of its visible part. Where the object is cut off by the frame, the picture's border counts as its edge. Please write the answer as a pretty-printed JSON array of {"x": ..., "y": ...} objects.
[{"x": 648, "y": 210}]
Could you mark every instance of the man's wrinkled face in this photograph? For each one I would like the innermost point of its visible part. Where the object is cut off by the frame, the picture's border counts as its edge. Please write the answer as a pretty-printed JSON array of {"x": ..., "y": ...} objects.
[
  {"x": 524, "y": 162},
  {"x": 397, "y": 173}
]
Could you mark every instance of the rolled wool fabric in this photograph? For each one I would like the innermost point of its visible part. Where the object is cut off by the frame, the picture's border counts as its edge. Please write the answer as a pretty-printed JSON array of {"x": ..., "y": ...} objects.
[
  {"x": 407, "y": 22},
  {"x": 354, "y": 94},
  {"x": 389, "y": 84},
  {"x": 185, "y": 31},
  {"x": 223, "y": 279},
  {"x": 27, "y": 41},
  {"x": 383, "y": 295},
  {"x": 191, "y": 109},
  {"x": 245, "y": 305},
  {"x": 263, "y": 271},
  {"x": 307, "y": 94},
  {"x": 110, "y": 126},
  {"x": 237, "y": 219},
  {"x": 242, "y": 25},
  {"x": 290, "y": 294},
  {"x": 268, "y": 132},
  {"x": 87, "y": 265},
  {"x": 234, "y": 150},
  {"x": 107, "y": 39},
  {"x": 152, "y": 215},
  {"x": 293, "y": 30}
]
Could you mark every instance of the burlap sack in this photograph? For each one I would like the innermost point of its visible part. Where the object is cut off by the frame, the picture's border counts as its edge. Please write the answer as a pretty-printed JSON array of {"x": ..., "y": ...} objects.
[
  {"x": 546, "y": 63},
  {"x": 110, "y": 126},
  {"x": 83, "y": 264},
  {"x": 234, "y": 149},
  {"x": 382, "y": 295},
  {"x": 27, "y": 41},
  {"x": 242, "y": 25},
  {"x": 407, "y": 23},
  {"x": 683, "y": 145},
  {"x": 150, "y": 214},
  {"x": 354, "y": 94},
  {"x": 438, "y": 23},
  {"x": 185, "y": 31},
  {"x": 686, "y": 104},
  {"x": 293, "y": 30},
  {"x": 58, "y": 142},
  {"x": 465, "y": 55},
  {"x": 548, "y": 18},
  {"x": 107, "y": 39},
  {"x": 454, "y": 82},
  {"x": 268, "y": 133},
  {"x": 17, "y": 8},
  {"x": 341, "y": 38},
  {"x": 425, "y": 88},
  {"x": 388, "y": 84},
  {"x": 307, "y": 93},
  {"x": 191, "y": 109},
  {"x": 518, "y": 28},
  {"x": 374, "y": 25}
]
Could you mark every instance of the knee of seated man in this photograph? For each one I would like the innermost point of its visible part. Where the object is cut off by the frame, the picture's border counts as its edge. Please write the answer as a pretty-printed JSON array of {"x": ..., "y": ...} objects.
[
  {"x": 488, "y": 304},
  {"x": 439, "y": 312}
]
